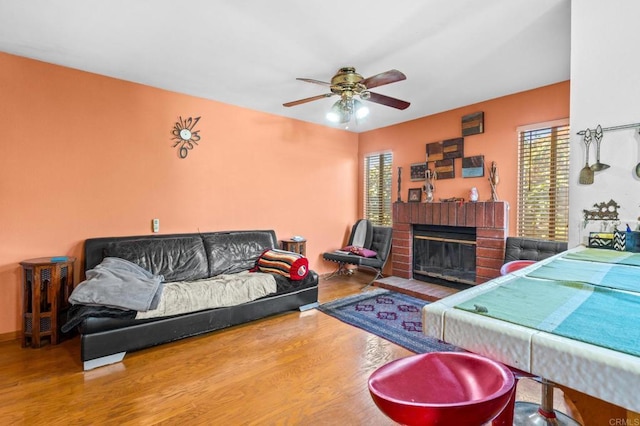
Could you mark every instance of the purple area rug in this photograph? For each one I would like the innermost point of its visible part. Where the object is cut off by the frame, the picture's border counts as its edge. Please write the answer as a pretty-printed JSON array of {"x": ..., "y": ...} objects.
[{"x": 393, "y": 316}]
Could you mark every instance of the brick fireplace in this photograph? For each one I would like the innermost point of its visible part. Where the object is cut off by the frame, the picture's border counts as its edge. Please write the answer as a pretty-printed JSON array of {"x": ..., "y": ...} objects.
[{"x": 490, "y": 220}]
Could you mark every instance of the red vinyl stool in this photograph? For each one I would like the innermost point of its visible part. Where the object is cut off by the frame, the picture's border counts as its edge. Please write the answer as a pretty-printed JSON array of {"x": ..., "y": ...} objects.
[
  {"x": 444, "y": 388},
  {"x": 514, "y": 265},
  {"x": 533, "y": 414}
]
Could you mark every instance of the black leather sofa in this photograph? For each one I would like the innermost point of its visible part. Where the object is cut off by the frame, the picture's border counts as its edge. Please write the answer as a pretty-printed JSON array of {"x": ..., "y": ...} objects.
[
  {"x": 520, "y": 248},
  {"x": 105, "y": 339}
]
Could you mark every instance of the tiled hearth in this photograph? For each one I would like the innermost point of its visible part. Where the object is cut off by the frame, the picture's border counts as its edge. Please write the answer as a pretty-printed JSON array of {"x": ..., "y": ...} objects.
[{"x": 489, "y": 218}]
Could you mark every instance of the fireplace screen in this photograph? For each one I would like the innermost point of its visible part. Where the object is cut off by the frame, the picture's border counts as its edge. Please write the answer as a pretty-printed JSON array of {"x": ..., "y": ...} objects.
[{"x": 444, "y": 252}]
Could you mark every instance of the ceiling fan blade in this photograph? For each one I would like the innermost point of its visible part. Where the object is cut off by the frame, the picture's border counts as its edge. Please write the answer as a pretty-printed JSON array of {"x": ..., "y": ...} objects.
[
  {"x": 305, "y": 100},
  {"x": 311, "y": 80},
  {"x": 383, "y": 78},
  {"x": 388, "y": 101}
]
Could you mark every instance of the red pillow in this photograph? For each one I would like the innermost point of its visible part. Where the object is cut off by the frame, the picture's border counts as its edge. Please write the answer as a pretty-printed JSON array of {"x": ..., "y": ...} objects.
[
  {"x": 360, "y": 251},
  {"x": 291, "y": 265}
]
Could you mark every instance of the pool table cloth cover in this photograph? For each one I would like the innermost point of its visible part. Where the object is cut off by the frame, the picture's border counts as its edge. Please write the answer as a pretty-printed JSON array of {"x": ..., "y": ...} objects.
[{"x": 572, "y": 318}]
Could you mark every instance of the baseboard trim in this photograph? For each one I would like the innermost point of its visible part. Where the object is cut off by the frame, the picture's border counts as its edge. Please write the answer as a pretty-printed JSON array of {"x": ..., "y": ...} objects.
[{"x": 12, "y": 335}]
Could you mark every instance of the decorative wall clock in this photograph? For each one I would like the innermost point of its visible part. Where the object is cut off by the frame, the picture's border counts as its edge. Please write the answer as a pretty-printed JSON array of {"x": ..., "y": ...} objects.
[{"x": 185, "y": 136}]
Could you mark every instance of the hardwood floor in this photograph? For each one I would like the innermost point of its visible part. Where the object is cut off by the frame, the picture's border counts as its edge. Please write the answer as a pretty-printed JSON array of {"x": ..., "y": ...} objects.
[{"x": 295, "y": 368}]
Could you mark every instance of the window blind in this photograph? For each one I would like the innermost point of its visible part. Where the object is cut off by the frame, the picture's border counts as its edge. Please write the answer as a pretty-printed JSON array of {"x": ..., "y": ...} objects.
[
  {"x": 377, "y": 188},
  {"x": 543, "y": 186}
]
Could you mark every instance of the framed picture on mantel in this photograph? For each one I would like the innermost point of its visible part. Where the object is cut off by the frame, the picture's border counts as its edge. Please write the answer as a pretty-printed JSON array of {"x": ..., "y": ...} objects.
[{"x": 415, "y": 195}]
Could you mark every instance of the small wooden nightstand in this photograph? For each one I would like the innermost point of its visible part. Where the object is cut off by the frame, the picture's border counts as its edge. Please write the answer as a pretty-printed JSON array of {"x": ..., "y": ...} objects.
[
  {"x": 47, "y": 285},
  {"x": 299, "y": 246}
]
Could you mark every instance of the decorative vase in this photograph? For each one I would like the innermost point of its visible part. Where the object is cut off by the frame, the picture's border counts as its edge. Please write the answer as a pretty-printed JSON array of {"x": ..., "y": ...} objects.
[{"x": 473, "y": 194}]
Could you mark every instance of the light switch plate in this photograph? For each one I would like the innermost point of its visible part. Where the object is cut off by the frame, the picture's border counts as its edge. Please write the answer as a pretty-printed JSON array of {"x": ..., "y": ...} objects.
[{"x": 155, "y": 225}]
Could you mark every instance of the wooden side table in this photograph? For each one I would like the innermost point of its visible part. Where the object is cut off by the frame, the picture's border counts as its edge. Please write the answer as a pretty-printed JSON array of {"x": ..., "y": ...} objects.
[
  {"x": 47, "y": 285},
  {"x": 299, "y": 246}
]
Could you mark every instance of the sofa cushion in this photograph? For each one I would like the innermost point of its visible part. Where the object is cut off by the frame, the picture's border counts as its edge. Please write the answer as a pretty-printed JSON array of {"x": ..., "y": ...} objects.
[
  {"x": 177, "y": 259},
  {"x": 288, "y": 264},
  {"x": 236, "y": 251}
]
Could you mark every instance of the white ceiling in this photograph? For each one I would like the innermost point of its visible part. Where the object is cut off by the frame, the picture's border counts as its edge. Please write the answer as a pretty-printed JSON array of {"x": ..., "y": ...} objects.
[{"x": 249, "y": 52}]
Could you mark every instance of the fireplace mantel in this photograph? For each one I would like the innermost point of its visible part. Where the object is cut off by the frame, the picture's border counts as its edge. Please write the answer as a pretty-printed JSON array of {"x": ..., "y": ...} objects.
[{"x": 489, "y": 218}]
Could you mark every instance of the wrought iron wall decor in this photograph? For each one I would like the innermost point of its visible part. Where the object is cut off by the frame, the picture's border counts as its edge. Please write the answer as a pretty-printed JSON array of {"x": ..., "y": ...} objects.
[
  {"x": 602, "y": 211},
  {"x": 608, "y": 129},
  {"x": 185, "y": 136},
  {"x": 597, "y": 166}
]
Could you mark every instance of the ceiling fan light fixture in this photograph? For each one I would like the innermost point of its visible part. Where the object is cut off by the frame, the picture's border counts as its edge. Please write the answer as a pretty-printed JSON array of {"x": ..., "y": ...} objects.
[
  {"x": 333, "y": 117},
  {"x": 335, "y": 113},
  {"x": 361, "y": 109},
  {"x": 344, "y": 109},
  {"x": 348, "y": 84},
  {"x": 341, "y": 111}
]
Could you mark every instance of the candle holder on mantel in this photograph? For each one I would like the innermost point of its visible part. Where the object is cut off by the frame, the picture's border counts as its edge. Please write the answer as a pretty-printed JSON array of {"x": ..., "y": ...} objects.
[{"x": 494, "y": 179}]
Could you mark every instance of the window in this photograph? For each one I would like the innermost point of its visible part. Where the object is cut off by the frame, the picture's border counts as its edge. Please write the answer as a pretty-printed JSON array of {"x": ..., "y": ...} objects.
[
  {"x": 543, "y": 186},
  {"x": 377, "y": 188}
]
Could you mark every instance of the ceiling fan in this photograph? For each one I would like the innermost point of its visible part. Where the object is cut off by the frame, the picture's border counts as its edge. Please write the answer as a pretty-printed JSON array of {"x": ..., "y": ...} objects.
[{"x": 347, "y": 83}]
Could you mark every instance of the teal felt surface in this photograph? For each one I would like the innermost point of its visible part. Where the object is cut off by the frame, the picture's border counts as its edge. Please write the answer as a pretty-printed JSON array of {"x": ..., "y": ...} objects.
[
  {"x": 608, "y": 318},
  {"x": 580, "y": 311},
  {"x": 616, "y": 276},
  {"x": 529, "y": 302},
  {"x": 605, "y": 256}
]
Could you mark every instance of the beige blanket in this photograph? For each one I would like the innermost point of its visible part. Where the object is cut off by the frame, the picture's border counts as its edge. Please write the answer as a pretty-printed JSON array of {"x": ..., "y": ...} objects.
[{"x": 223, "y": 290}]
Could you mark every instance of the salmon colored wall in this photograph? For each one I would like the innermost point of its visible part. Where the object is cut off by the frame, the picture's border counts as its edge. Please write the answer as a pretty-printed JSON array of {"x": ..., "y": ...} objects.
[
  {"x": 88, "y": 156},
  {"x": 498, "y": 143}
]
